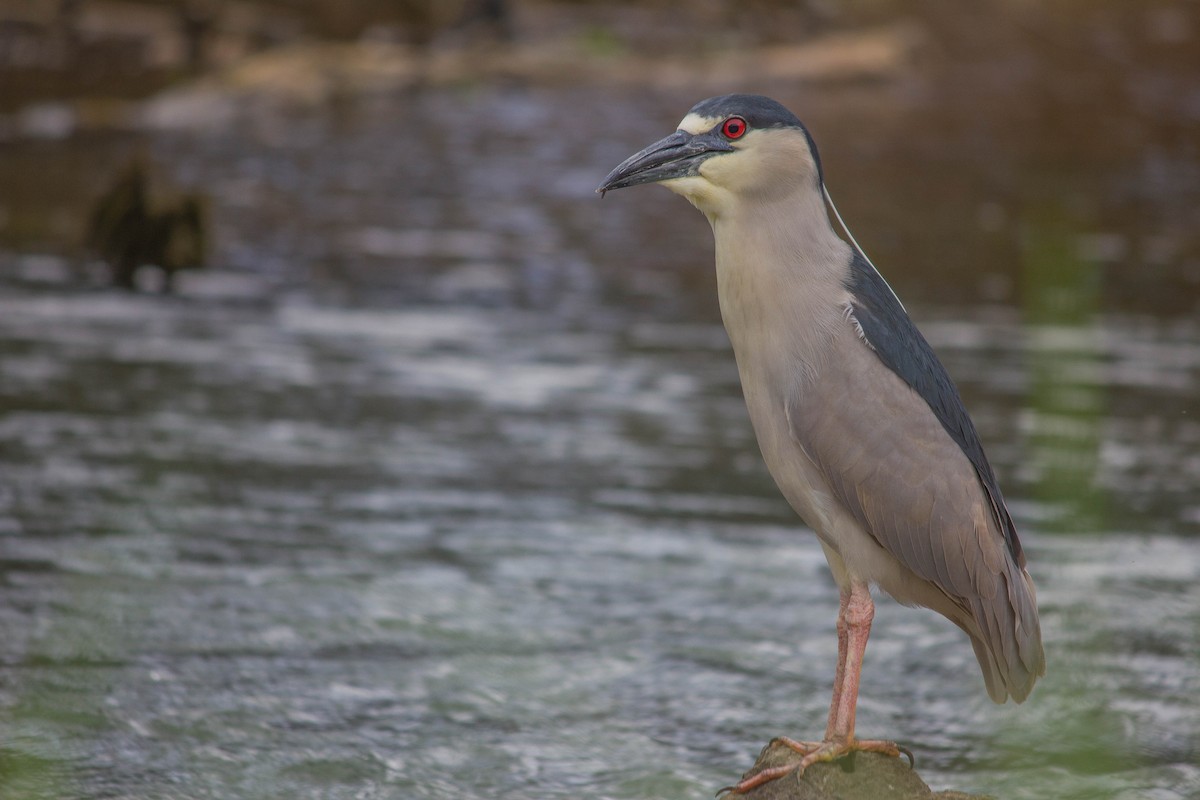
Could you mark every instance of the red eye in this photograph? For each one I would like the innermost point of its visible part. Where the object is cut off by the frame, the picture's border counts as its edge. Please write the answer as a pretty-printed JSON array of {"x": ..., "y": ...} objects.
[{"x": 734, "y": 128}]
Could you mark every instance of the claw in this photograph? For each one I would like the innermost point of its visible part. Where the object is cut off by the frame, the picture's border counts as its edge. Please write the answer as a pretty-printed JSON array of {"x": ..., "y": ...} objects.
[
  {"x": 766, "y": 776},
  {"x": 813, "y": 753}
]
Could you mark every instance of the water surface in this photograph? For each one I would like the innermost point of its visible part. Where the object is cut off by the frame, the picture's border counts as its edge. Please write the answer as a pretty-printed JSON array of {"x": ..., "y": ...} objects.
[{"x": 441, "y": 484}]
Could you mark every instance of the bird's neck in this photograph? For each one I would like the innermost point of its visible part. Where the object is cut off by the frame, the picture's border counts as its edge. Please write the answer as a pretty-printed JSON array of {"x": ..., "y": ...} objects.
[{"x": 781, "y": 281}]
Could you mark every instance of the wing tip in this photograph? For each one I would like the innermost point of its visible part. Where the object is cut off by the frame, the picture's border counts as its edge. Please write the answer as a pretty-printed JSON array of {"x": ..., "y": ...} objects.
[{"x": 1012, "y": 658}]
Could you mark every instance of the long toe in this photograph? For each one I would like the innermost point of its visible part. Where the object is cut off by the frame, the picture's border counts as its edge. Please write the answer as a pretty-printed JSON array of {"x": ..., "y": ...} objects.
[
  {"x": 882, "y": 746},
  {"x": 758, "y": 779},
  {"x": 812, "y": 753},
  {"x": 803, "y": 748}
]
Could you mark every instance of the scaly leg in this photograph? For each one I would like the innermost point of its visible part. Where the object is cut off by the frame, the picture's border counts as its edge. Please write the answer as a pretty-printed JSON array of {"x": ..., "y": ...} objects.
[
  {"x": 854, "y": 627},
  {"x": 805, "y": 747},
  {"x": 843, "y": 643}
]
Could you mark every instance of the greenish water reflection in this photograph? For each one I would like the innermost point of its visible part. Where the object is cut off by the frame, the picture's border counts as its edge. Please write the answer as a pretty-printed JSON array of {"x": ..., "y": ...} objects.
[{"x": 1067, "y": 405}]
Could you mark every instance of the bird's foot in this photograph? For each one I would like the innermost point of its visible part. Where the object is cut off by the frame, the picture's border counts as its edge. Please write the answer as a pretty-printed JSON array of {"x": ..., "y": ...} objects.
[
  {"x": 803, "y": 748},
  {"x": 813, "y": 752}
]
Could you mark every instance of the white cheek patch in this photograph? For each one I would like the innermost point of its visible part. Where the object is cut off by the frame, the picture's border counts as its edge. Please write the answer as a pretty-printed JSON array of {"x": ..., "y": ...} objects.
[
  {"x": 688, "y": 186},
  {"x": 699, "y": 192},
  {"x": 694, "y": 123}
]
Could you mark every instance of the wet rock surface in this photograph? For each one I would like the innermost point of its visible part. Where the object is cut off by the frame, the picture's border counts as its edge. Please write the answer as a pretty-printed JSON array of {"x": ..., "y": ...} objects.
[{"x": 862, "y": 776}]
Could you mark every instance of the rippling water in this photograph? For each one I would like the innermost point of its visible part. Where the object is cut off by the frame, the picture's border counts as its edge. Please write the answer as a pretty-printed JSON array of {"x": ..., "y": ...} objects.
[{"x": 442, "y": 487}]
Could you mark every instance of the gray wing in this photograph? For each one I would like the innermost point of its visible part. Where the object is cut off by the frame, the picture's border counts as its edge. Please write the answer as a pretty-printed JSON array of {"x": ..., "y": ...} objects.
[
  {"x": 902, "y": 348},
  {"x": 891, "y": 464}
]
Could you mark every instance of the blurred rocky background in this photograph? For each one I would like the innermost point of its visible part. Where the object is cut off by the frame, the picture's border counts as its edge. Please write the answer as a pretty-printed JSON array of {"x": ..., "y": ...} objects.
[{"x": 1044, "y": 89}]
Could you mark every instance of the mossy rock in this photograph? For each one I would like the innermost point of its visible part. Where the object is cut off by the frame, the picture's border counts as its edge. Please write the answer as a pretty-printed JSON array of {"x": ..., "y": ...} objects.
[{"x": 862, "y": 776}]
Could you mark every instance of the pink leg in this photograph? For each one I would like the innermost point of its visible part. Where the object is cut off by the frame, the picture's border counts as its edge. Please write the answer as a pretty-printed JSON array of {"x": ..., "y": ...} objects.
[
  {"x": 804, "y": 748},
  {"x": 854, "y": 626},
  {"x": 857, "y": 613},
  {"x": 840, "y": 675}
]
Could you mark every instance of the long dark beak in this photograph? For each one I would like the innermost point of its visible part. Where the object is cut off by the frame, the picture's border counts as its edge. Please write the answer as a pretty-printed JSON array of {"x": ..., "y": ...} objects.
[{"x": 677, "y": 156}]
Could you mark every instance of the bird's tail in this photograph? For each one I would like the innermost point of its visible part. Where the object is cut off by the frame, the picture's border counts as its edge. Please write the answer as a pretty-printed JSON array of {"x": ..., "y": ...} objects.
[{"x": 1008, "y": 639}]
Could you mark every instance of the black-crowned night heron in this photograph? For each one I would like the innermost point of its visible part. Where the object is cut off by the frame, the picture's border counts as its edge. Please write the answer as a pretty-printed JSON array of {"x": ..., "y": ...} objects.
[{"x": 859, "y": 424}]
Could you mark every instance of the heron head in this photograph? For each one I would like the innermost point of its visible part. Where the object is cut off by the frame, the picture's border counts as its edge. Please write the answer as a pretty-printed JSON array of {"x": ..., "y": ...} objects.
[{"x": 727, "y": 150}]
